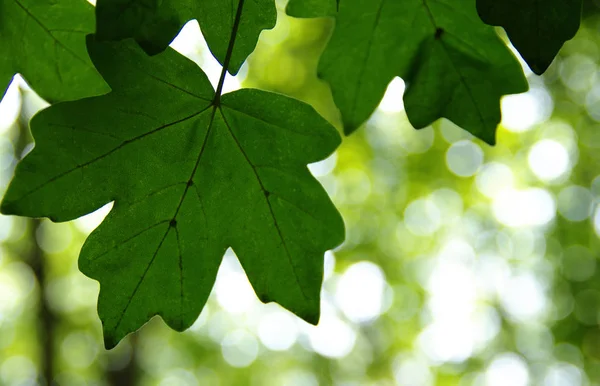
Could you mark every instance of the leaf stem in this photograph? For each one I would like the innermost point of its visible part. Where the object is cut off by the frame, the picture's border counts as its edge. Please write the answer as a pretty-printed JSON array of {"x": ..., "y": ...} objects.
[{"x": 234, "y": 30}]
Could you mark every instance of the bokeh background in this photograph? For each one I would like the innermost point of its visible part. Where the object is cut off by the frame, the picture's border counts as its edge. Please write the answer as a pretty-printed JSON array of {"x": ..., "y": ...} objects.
[{"x": 463, "y": 265}]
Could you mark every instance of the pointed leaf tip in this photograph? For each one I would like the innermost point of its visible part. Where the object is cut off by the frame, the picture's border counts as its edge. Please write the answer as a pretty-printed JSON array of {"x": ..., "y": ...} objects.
[
  {"x": 537, "y": 28},
  {"x": 7, "y": 208}
]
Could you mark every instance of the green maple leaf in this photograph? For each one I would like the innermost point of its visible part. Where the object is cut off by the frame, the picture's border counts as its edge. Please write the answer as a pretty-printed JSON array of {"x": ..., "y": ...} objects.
[
  {"x": 155, "y": 24},
  {"x": 537, "y": 28},
  {"x": 45, "y": 41},
  {"x": 191, "y": 173},
  {"x": 454, "y": 66}
]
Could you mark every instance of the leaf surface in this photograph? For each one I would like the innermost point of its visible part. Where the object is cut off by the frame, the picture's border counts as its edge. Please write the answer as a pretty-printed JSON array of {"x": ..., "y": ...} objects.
[
  {"x": 154, "y": 24},
  {"x": 45, "y": 41},
  {"x": 537, "y": 28},
  {"x": 312, "y": 8},
  {"x": 190, "y": 174},
  {"x": 454, "y": 65}
]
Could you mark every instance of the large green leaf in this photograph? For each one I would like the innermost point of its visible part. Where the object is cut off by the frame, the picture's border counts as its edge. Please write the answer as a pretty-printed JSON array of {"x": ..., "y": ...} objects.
[
  {"x": 537, "y": 28},
  {"x": 454, "y": 65},
  {"x": 44, "y": 40},
  {"x": 191, "y": 174},
  {"x": 154, "y": 24}
]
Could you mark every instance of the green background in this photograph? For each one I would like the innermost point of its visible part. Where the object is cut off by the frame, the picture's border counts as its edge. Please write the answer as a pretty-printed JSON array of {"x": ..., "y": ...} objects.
[{"x": 464, "y": 264}]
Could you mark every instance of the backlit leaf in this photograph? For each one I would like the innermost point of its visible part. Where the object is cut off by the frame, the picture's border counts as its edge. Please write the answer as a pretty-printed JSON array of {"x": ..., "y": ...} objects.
[
  {"x": 537, "y": 28},
  {"x": 44, "y": 40},
  {"x": 454, "y": 65}
]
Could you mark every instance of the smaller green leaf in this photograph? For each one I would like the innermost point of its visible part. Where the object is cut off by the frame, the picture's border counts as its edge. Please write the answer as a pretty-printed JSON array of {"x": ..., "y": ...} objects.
[
  {"x": 44, "y": 41},
  {"x": 454, "y": 66},
  {"x": 468, "y": 97},
  {"x": 154, "y": 24},
  {"x": 537, "y": 28},
  {"x": 312, "y": 8}
]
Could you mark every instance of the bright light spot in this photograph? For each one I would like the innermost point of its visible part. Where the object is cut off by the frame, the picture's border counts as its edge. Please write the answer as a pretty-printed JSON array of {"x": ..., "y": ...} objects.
[
  {"x": 523, "y": 297},
  {"x": 578, "y": 72},
  {"x": 464, "y": 158},
  {"x": 520, "y": 112},
  {"x": 453, "y": 289},
  {"x": 219, "y": 324},
  {"x": 493, "y": 178},
  {"x": 456, "y": 338},
  {"x": 422, "y": 217},
  {"x": 179, "y": 377},
  {"x": 10, "y": 105},
  {"x": 575, "y": 203},
  {"x": 332, "y": 337},
  {"x": 71, "y": 293},
  {"x": 6, "y": 224},
  {"x": 89, "y": 222},
  {"x": 492, "y": 274},
  {"x": 592, "y": 102},
  {"x": 562, "y": 374},
  {"x": 534, "y": 341},
  {"x": 79, "y": 349},
  {"x": 397, "y": 134},
  {"x": 507, "y": 369},
  {"x": 597, "y": 221},
  {"x": 457, "y": 250},
  {"x": 526, "y": 70},
  {"x": 18, "y": 370},
  {"x": 595, "y": 188},
  {"x": 459, "y": 326},
  {"x": 452, "y": 132},
  {"x": 529, "y": 207},
  {"x": 277, "y": 330},
  {"x": 191, "y": 43},
  {"x": 234, "y": 292},
  {"x": 329, "y": 266},
  {"x": 298, "y": 378},
  {"x": 239, "y": 348},
  {"x": 449, "y": 203},
  {"x": 360, "y": 291},
  {"x": 413, "y": 372},
  {"x": 16, "y": 283},
  {"x": 519, "y": 243},
  {"x": 7, "y": 152},
  {"x": 323, "y": 168},
  {"x": 198, "y": 326},
  {"x": 548, "y": 160},
  {"x": 54, "y": 238},
  {"x": 392, "y": 99}
]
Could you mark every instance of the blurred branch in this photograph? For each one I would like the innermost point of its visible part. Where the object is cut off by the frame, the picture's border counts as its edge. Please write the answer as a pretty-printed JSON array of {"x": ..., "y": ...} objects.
[
  {"x": 124, "y": 371},
  {"x": 35, "y": 259}
]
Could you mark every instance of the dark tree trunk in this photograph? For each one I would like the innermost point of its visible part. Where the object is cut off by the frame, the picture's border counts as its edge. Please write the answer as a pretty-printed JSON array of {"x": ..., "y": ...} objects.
[
  {"x": 124, "y": 371},
  {"x": 34, "y": 257},
  {"x": 47, "y": 318}
]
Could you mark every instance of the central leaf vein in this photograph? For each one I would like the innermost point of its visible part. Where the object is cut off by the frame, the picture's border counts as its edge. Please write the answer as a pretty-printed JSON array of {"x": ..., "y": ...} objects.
[{"x": 214, "y": 105}]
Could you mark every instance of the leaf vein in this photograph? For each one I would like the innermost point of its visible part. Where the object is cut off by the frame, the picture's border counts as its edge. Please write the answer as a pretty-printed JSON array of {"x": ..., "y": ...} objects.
[{"x": 283, "y": 241}]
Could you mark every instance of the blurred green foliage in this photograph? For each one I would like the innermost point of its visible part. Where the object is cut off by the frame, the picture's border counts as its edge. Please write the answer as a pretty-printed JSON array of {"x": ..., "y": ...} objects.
[{"x": 463, "y": 265}]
